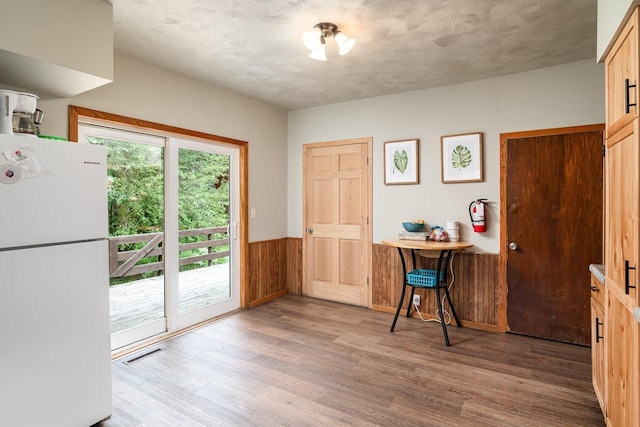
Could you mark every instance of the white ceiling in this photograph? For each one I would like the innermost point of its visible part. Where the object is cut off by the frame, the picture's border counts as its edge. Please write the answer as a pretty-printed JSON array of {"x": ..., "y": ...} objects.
[{"x": 254, "y": 46}]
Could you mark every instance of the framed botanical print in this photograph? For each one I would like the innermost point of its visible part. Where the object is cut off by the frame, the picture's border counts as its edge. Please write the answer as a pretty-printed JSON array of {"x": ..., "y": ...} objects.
[
  {"x": 461, "y": 158},
  {"x": 401, "y": 162}
]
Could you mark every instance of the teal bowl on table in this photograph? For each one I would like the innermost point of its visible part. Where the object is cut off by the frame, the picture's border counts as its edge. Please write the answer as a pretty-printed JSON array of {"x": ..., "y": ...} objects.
[{"x": 412, "y": 226}]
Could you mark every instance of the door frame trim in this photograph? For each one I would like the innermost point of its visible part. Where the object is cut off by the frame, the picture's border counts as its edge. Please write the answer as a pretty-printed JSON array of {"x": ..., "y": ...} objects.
[
  {"x": 369, "y": 227},
  {"x": 504, "y": 137}
]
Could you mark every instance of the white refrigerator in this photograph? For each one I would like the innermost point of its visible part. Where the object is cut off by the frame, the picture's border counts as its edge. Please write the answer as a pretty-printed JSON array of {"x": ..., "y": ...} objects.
[{"x": 55, "y": 360}]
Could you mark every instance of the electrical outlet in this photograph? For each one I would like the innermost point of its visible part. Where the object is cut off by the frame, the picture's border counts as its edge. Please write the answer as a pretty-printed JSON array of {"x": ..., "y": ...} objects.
[{"x": 416, "y": 299}]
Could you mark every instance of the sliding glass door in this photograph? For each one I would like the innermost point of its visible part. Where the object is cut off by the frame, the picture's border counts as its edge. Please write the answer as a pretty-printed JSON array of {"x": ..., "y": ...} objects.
[
  {"x": 206, "y": 200},
  {"x": 173, "y": 215}
]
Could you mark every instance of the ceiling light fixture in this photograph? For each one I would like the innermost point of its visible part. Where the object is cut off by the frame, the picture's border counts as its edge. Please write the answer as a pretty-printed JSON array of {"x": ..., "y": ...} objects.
[{"x": 315, "y": 40}]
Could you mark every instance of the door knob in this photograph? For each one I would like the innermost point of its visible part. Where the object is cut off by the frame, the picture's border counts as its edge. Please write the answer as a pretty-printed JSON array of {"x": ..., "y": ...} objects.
[
  {"x": 513, "y": 246},
  {"x": 310, "y": 230}
]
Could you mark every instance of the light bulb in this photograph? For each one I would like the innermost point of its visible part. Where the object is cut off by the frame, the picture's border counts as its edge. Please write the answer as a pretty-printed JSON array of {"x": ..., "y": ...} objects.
[
  {"x": 311, "y": 39},
  {"x": 318, "y": 53},
  {"x": 344, "y": 43}
]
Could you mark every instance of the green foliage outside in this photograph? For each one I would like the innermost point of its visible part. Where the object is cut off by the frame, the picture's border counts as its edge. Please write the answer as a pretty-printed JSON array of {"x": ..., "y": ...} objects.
[{"x": 136, "y": 195}]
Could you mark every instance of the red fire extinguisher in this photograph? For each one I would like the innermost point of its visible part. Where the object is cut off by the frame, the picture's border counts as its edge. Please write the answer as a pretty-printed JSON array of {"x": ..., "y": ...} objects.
[{"x": 478, "y": 216}]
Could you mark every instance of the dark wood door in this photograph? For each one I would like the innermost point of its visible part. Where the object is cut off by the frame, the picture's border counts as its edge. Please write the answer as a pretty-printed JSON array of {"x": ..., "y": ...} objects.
[{"x": 553, "y": 232}]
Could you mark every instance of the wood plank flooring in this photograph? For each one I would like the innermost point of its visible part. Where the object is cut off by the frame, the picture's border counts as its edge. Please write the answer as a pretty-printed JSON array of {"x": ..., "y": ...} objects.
[{"x": 298, "y": 361}]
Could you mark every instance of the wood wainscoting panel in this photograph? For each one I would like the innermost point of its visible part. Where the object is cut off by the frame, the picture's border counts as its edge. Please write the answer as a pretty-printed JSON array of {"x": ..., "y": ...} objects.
[
  {"x": 387, "y": 274},
  {"x": 275, "y": 268},
  {"x": 476, "y": 287},
  {"x": 294, "y": 265},
  {"x": 267, "y": 271},
  {"x": 475, "y": 291}
]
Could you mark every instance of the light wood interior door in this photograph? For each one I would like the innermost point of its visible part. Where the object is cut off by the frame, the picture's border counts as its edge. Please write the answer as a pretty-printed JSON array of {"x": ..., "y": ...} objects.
[{"x": 337, "y": 236}]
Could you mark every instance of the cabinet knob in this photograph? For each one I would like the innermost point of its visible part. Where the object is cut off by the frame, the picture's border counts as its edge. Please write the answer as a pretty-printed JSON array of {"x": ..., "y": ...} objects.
[{"x": 513, "y": 246}]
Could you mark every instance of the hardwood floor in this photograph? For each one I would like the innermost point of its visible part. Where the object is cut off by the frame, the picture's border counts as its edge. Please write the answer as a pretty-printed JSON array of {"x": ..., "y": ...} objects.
[{"x": 303, "y": 362}]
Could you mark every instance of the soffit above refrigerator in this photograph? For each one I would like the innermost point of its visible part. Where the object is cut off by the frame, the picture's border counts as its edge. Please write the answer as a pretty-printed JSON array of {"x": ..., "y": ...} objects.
[{"x": 56, "y": 49}]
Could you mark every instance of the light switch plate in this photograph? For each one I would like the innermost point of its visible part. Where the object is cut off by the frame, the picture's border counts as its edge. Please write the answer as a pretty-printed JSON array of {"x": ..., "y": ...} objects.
[{"x": 636, "y": 313}]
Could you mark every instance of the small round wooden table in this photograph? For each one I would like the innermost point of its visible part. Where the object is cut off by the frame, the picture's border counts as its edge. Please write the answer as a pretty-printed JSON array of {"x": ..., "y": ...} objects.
[{"x": 446, "y": 249}]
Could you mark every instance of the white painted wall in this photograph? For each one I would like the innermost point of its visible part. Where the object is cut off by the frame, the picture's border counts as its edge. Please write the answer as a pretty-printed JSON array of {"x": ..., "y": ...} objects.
[
  {"x": 566, "y": 95},
  {"x": 147, "y": 92},
  {"x": 611, "y": 15}
]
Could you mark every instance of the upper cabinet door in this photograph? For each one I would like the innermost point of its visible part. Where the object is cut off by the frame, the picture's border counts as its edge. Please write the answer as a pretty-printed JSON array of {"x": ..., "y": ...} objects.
[{"x": 621, "y": 68}]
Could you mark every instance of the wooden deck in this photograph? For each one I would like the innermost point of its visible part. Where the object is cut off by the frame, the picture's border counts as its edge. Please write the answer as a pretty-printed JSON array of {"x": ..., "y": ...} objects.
[{"x": 138, "y": 302}]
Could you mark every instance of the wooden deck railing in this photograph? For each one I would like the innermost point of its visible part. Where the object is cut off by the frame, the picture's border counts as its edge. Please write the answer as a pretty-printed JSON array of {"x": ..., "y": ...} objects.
[{"x": 125, "y": 263}]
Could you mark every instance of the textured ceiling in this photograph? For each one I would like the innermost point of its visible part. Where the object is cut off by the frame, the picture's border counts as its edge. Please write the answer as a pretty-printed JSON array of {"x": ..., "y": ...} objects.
[{"x": 254, "y": 46}]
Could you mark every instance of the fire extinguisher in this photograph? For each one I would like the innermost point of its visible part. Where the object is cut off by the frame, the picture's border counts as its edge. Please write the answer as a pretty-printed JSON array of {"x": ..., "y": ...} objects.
[{"x": 478, "y": 216}]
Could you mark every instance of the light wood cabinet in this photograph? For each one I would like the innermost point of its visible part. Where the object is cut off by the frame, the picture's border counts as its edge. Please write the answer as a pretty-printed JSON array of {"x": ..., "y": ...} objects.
[
  {"x": 622, "y": 364},
  {"x": 616, "y": 364},
  {"x": 621, "y": 209},
  {"x": 598, "y": 340},
  {"x": 621, "y": 68}
]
